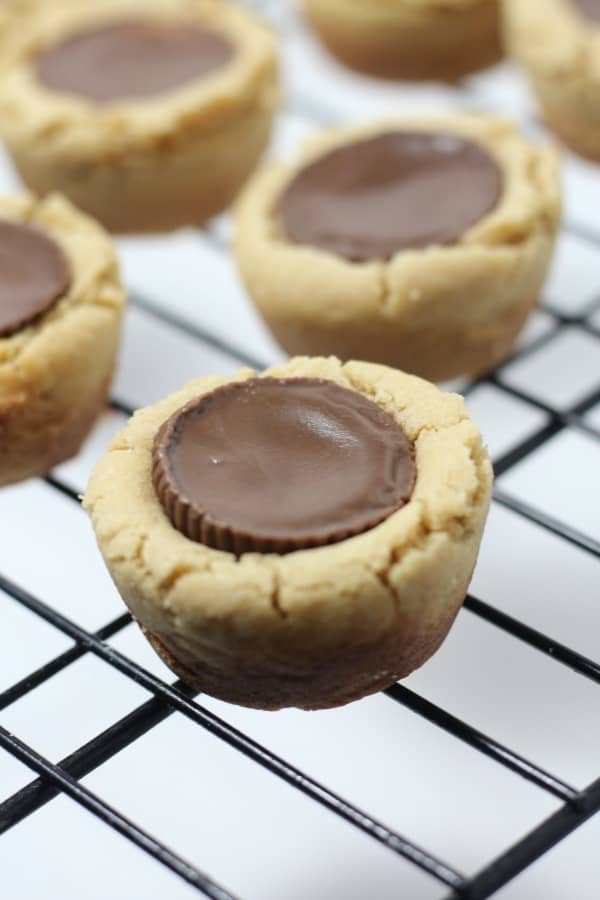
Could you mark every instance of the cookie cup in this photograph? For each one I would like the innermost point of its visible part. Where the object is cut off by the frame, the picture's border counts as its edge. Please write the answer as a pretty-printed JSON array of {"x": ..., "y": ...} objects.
[
  {"x": 410, "y": 39},
  {"x": 560, "y": 50},
  {"x": 55, "y": 373},
  {"x": 440, "y": 312},
  {"x": 315, "y": 628},
  {"x": 151, "y": 164}
]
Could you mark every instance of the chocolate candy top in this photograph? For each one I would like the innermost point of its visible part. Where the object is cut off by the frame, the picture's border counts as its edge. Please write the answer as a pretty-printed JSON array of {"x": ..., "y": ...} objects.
[
  {"x": 397, "y": 191},
  {"x": 589, "y": 8},
  {"x": 276, "y": 465},
  {"x": 34, "y": 274},
  {"x": 132, "y": 60}
]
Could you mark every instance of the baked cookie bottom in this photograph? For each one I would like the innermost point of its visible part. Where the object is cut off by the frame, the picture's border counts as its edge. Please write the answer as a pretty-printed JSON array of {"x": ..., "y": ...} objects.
[
  {"x": 351, "y": 675},
  {"x": 578, "y": 136},
  {"x": 438, "y": 353},
  {"x": 144, "y": 164},
  {"x": 47, "y": 425},
  {"x": 56, "y": 373},
  {"x": 411, "y": 50},
  {"x": 314, "y": 628},
  {"x": 153, "y": 190}
]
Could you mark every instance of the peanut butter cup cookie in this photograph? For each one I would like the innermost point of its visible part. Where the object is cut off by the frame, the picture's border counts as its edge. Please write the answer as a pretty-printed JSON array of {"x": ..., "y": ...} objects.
[
  {"x": 60, "y": 315},
  {"x": 421, "y": 244},
  {"x": 558, "y": 44},
  {"x": 410, "y": 39},
  {"x": 302, "y": 538},
  {"x": 147, "y": 115}
]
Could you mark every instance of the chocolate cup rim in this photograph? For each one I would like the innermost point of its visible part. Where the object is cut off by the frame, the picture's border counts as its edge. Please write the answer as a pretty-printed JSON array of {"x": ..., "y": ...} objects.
[
  {"x": 201, "y": 527},
  {"x": 24, "y": 321},
  {"x": 303, "y": 165},
  {"x": 91, "y": 26}
]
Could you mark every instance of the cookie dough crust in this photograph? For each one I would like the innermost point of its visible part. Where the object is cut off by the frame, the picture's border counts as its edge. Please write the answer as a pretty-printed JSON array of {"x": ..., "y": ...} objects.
[
  {"x": 315, "y": 628},
  {"x": 55, "y": 373},
  {"x": 13, "y": 15},
  {"x": 410, "y": 39},
  {"x": 560, "y": 49},
  {"x": 440, "y": 312},
  {"x": 153, "y": 164}
]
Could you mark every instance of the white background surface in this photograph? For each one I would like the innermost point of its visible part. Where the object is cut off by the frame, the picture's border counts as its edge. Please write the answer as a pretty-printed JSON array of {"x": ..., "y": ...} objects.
[{"x": 251, "y": 832}]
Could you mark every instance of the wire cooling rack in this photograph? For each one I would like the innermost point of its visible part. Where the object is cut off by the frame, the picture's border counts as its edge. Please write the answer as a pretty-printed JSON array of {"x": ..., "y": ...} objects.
[{"x": 471, "y": 811}]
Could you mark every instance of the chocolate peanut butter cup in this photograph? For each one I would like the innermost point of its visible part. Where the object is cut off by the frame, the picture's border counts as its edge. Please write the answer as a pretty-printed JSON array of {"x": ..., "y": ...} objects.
[
  {"x": 556, "y": 44},
  {"x": 421, "y": 244},
  {"x": 148, "y": 115},
  {"x": 132, "y": 59},
  {"x": 34, "y": 274},
  {"x": 277, "y": 465},
  {"x": 396, "y": 191},
  {"x": 61, "y": 305},
  {"x": 589, "y": 8},
  {"x": 293, "y": 460}
]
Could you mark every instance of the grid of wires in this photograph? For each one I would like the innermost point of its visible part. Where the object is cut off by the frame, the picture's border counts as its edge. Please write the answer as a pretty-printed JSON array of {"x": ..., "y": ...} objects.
[{"x": 64, "y": 777}]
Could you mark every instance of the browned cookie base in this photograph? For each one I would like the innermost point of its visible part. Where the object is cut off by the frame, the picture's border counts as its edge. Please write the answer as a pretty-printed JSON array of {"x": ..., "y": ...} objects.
[
  {"x": 351, "y": 676},
  {"x": 29, "y": 449},
  {"x": 38, "y": 432},
  {"x": 155, "y": 191},
  {"x": 438, "y": 353},
  {"x": 319, "y": 627},
  {"x": 444, "y": 49},
  {"x": 581, "y": 137}
]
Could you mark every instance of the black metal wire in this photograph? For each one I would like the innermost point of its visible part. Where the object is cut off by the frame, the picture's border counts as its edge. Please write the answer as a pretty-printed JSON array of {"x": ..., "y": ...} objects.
[
  {"x": 88, "y": 757},
  {"x": 538, "y": 842},
  {"x": 169, "y": 698},
  {"x": 192, "y": 329},
  {"x": 39, "y": 676},
  {"x": 69, "y": 786},
  {"x": 221, "y": 729},
  {"x": 482, "y": 742},
  {"x": 528, "y": 446},
  {"x": 557, "y": 651},
  {"x": 548, "y": 523},
  {"x": 61, "y": 486}
]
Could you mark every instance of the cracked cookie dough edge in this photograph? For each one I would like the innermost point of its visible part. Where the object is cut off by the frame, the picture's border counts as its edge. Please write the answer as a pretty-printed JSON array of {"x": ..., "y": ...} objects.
[
  {"x": 514, "y": 242},
  {"x": 72, "y": 127},
  {"x": 402, "y": 574}
]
